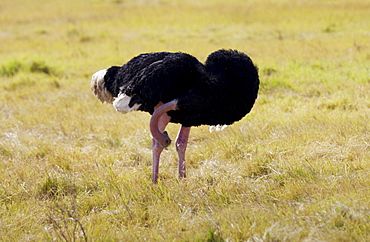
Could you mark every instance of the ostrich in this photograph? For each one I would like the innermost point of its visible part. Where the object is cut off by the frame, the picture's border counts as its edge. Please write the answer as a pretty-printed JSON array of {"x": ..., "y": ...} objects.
[{"x": 177, "y": 88}]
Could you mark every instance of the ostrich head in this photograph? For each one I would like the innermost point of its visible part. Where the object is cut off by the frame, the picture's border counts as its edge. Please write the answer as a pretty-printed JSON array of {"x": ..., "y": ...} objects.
[{"x": 98, "y": 87}]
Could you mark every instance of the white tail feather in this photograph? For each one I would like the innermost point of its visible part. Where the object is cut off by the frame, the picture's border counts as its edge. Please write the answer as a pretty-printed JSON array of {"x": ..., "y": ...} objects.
[{"x": 217, "y": 127}]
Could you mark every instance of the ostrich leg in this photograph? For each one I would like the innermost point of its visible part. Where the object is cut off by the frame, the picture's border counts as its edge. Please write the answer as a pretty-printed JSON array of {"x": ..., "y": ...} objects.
[
  {"x": 181, "y": 144},
  {"x": 158, "y": 123},
  {"x": 157, "y": 147}
]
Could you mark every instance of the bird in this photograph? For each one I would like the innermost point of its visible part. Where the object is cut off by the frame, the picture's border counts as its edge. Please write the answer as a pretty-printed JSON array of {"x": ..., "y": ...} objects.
[{"x": 176, "y": 87}]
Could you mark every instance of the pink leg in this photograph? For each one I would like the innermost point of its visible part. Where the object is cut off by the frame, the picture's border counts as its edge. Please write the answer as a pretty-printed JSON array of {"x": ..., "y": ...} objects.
[
  {"x": 157, "y": 148},
  {"x": 181, "y": 144}
]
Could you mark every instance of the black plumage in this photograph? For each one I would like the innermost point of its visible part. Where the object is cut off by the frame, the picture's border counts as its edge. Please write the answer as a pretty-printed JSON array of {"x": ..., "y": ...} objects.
[{"x": 221, "y": 91}]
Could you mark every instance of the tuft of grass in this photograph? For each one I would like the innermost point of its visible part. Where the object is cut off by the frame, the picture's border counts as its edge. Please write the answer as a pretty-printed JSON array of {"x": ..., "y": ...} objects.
[
  {"x": 13, "y": 67},
  {"x": 10, "y": 68},
  {"x": 42, "y": 67},
  {"x": 52, "y": 188}
]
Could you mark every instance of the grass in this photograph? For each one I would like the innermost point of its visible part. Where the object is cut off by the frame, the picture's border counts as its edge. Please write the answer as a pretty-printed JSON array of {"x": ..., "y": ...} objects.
[{"x": 295, "y": 169}]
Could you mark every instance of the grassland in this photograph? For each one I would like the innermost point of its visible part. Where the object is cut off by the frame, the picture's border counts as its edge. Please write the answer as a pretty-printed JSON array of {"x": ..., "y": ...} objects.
[{"x": 297, "y": 168}]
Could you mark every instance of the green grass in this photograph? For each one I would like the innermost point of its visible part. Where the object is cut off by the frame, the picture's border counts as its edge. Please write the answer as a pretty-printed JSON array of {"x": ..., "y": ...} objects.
[{"x": 295, "y": 169}]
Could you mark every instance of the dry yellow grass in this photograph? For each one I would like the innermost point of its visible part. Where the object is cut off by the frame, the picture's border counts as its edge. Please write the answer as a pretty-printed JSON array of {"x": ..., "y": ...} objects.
[{"x": 295, "y": 169}]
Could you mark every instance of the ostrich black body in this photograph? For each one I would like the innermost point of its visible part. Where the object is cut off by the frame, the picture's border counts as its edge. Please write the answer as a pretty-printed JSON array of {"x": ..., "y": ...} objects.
[{"x": 221, "y": 91}]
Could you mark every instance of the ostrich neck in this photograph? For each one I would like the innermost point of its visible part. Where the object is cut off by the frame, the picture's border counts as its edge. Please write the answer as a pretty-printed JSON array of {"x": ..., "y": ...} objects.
[{"x": 162, "y": 138}]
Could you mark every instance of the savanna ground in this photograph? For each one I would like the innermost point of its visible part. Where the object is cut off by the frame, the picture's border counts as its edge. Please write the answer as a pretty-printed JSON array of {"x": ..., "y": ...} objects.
[{"x": 295, "y": 169}]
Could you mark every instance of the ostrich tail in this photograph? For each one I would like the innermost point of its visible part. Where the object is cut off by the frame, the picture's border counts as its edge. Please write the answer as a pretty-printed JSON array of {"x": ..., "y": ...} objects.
[{"x": 235, "y": 70}]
